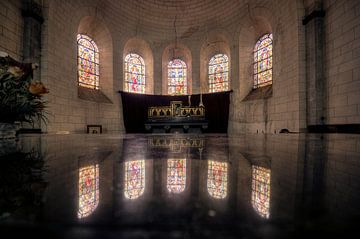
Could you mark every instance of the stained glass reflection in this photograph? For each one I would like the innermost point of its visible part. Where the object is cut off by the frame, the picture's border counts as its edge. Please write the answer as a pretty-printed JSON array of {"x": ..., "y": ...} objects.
[
  {"x": 219, "y": 73},
  {"x": 134, "y": 179},
  {"x": 177, "y": 81},
  {"x": 263, "y": 61},
  {"x": 88, "y": 190},
  {"x": 88, "y": 62},
  {"x": 217, "y": 179},
  {"x": 260, "y": 195},
  {"x": 134, "y": 73},
  {"x": 176, "y": 175}
]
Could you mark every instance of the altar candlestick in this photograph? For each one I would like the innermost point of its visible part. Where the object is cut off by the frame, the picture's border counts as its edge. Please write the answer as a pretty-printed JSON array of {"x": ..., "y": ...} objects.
[{"x": 201, "y": 102}]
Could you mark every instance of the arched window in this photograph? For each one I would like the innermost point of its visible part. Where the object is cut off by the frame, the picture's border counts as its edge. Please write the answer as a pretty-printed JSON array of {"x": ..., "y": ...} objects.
[
  {"x": 260, "y": 191},
  {"x": 219, "y": 73},
  {"x": 263, "y": 61},
  {"x": 177, "y": 81},
  {"x": 88, "y": 190},
  {"x": 176, "y": 175},
  {"x": 134, "y": 179},
  {"x": 88, "y": 62},
  {"x": 217, "y": 179},
  {"x": 134, "y": 73}
]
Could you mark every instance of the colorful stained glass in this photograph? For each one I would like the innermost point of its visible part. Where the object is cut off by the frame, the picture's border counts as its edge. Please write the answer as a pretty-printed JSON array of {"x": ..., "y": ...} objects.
[
  {"x": 134, "y": 74},
  {"x": 217, "y": 179},
  {"x": 260, "y": 192},
  {"x": 134, "y": 179},
  {"x": 219, "y": 73},
  {"x": 88, "y": 62},
  {"x": 263, "y": 61},
  {"x": 88, "y": 190},
  {"x": 176, "y": 175},
  {"x": 177, "y": 81}
]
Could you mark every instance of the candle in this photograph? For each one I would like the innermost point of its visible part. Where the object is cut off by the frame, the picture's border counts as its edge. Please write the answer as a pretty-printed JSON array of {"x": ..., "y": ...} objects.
[
  {"x": 201, "y": 102},
  {"x": 189, "y": 97}
]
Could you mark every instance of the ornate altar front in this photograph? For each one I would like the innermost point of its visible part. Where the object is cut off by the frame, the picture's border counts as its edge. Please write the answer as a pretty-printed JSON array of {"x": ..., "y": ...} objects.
[{"x": 176, "y": 116}]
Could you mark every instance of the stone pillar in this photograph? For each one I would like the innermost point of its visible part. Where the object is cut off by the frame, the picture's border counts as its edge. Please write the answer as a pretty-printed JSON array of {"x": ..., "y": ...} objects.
[
  {"x": 315, "y": 60},
  {"x": 33, "y": 19}
]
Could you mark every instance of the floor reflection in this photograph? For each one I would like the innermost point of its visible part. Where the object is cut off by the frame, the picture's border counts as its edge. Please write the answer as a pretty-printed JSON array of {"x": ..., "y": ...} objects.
[
  {"x": 88, "y": 190},
  {"x": 217, "y": 179},
  {"x": 134, "y": 179},
  {"x": 260, "y": 190},
  {"x": 197, "y": 183},
  {"x": 176, "y": 175}
]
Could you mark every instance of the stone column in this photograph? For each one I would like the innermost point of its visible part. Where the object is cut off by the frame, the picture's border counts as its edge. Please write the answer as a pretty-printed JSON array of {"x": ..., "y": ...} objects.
[
  {"x": 33, "y": 19},
  {"x": 315, "y": 60}
]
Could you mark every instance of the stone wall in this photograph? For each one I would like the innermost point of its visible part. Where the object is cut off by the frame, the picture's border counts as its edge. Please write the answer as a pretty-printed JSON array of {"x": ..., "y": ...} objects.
[
  {"x": 197, "y": 30},
  {"x": 11, "y": 28},
  {"x": 342, "y": 71}
]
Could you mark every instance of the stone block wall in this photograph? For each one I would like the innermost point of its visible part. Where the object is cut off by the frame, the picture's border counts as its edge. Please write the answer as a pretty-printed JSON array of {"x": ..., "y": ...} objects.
[
  {"x": 342, "y": 58},
  {"x": 203, "y": 31},
  {"x": 11, "y": 28}
]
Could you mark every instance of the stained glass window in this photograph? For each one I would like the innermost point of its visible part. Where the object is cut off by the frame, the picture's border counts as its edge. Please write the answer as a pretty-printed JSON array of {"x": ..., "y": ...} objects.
[
  {"x": 219, "y": 73},
  {"x": 88, "y": 62},
  {"x": 263, "y": 61},
  {"x": 217, "y": 179},
  {"x": 176, "y": 175},
  {"x": 134, "y": 73},
  {"x": 177, "y": 81},
  {"x": 260, "y": 191},
  {"x": 88, "y": 190},
  {"x": 134, "y": 178}
]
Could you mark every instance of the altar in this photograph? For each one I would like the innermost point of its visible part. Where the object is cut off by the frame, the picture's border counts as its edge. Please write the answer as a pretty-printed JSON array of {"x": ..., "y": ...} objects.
[
  {"x": 176, "y": 116},
  {"x": 144, "y": 113}
]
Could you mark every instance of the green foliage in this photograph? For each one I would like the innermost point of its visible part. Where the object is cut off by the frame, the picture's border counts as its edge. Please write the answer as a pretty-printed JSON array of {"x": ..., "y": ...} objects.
[{"x": 17, "y": 103}]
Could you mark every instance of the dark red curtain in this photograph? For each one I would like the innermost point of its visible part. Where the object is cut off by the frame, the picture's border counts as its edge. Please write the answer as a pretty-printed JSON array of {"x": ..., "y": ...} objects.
[{"x": 135, "y": 108}]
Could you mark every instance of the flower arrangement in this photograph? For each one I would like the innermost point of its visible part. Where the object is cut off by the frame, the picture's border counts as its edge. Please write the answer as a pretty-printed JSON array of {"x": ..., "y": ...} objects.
[{"x": 21, "y": 97}]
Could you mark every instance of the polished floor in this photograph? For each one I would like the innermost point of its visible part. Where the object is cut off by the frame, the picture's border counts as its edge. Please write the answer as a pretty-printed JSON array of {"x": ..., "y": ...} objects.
[{"x": 180, "y": 186}]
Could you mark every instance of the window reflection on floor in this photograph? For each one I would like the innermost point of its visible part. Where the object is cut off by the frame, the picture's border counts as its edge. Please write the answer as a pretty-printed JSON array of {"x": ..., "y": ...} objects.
[
  {"x": 176, "y": 175},
  {"x": 260, "y": 191},
  {"x": 134, "y": 179},
  {"x": 88, "y": 190},
  {"x": 217, "y": 179}
]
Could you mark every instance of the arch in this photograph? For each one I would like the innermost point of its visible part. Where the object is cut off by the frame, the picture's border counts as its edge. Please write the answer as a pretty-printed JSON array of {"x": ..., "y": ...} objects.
[
  {"x": 180, "y": 53},
  {"x": 141, "y": 48},
  {"x": 263, "y": 61},
  {"x": 213, "y": 44},
  {"x": 176, "y": 175},
  {"x": 217, "y": 179},
  {"x": 251, "y": 30},
  {"x": 96, "y": 29},
  {"x": 88, "y": 190},
  {"x": 260, "y": 191}
]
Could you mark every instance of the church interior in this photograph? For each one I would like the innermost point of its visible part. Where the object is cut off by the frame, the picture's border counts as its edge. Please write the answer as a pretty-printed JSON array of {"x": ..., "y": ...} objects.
[{"x": 179, "y": 118}]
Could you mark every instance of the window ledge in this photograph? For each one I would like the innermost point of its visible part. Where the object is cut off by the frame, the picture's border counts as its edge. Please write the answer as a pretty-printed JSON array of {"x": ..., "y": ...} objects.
[
  {"x": 93, "y": 95},
  {"x": 264, "y": 92}
]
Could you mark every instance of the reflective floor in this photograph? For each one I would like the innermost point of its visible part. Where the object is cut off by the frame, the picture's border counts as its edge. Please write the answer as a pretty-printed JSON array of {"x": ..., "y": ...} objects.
[{"x": 180, "y": 186}]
